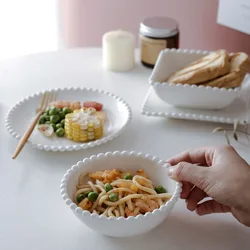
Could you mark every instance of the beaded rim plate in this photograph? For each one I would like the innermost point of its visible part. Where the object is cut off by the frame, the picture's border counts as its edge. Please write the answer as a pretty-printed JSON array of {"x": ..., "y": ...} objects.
[{"x": 118, "y": 112}]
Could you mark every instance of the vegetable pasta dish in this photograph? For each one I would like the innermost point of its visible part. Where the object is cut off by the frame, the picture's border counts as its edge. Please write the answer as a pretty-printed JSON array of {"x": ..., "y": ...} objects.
[{"x": 119, "y": 193}]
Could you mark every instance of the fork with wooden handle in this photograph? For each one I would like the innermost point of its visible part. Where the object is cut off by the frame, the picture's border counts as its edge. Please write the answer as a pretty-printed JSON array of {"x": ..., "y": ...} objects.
[{"x": 47, "y": 97}]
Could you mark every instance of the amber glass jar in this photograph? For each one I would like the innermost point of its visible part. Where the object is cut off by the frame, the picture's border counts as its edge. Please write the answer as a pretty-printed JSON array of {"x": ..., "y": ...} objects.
[{"x": 156, "y": 34}]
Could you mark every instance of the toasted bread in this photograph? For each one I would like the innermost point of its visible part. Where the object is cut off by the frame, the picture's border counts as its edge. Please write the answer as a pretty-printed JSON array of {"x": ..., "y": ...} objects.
[
  {"x": 240, "y": 65},
  {"x": 207, "y": 68}
]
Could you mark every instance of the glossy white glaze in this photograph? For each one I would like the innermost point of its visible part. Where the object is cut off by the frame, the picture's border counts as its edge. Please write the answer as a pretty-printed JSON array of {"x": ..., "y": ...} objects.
[
  {"x": 185, "y": 95},
  {"x": 118, "y": 112},
  {"x": 156, "y": 170}
]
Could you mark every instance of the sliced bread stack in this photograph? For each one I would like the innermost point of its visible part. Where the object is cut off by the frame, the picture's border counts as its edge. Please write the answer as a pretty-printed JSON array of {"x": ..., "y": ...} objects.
[{"x": 217, "y": 69}]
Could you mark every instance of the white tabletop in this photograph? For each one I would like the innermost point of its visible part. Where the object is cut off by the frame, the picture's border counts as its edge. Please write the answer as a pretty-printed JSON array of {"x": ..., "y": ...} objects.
[{"x": 33, "y": 179}]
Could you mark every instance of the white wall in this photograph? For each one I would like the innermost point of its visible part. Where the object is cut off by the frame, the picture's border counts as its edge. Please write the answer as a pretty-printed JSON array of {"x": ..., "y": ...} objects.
[{"x": 28, "y": 26}]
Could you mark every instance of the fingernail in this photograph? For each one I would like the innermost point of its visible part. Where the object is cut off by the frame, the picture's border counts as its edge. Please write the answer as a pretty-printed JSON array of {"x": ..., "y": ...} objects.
[{"x": 170, "y": 171}]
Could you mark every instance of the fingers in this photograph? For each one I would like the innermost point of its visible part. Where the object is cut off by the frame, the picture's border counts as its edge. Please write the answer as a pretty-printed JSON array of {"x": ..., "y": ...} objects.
[
  {"x": 198, "y": 176},
  {"x": 211, "y": 206},
  {"x": 195, "y": 196},
  {"x": 203, "y": 156},
  {"x": 186, "y": 188}
]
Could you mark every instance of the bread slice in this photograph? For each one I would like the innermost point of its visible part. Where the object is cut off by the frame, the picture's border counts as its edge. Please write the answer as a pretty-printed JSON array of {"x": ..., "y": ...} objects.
[
  {"x": 240, "y": 65},
  {"x": 207, "y": 68}
]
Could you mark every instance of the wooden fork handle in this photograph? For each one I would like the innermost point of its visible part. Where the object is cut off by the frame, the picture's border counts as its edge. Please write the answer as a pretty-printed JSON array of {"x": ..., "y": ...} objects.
[{"x": 26, "y": 135}]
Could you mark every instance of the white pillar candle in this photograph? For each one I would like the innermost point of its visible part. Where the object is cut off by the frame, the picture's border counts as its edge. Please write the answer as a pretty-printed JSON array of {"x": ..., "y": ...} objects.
[{"x": 118, "y": 50}]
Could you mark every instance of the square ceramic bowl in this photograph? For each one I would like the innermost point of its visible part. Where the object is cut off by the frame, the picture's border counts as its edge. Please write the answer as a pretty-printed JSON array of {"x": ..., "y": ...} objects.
[
  {"x": 155, "y": 168},
  {"x": 184, "y": 95}
]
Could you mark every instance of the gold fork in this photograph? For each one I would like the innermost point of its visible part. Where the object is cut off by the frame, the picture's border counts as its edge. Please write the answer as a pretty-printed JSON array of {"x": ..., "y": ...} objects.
[{"x": 47, "y": 97}]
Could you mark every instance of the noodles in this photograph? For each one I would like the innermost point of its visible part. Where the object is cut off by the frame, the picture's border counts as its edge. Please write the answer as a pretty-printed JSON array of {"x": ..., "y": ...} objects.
[
  {"x": 92, "y": 186},
  {"x": 147, "y": 184},
  {"x": 121, "y": 209},
  {"x": 130, "y": 205},
  {"x": 115, "y": 193}
]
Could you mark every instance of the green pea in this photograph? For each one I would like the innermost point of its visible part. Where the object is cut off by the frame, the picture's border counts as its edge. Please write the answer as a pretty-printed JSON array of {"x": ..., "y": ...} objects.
[
  {"x": 113, "y": 197},
  {"x": 47, "y": 117},
  {"x": 80, "y": 197},
  {"x": 61, "y": 114},
  {"x": 92, "y": 196},
  {"x": 47, "y": 111},
  {"x": 87, "y": 193},
  {"x": 47, "y": 122},
  {"x": 55, "y": 118},
  {"x": 67, "y": 110},
  {"x": 160, "y": 190},
  {"x": 108, "y": 187},
  {"x": 59, "y": 125},
  {"x": 63, "y": 122},
  {"x": 128, "y": 177},
  {"x": 60, "y": 132},
  {"x": 53, "y": 111},
  {"x": 42, "y": 120}
]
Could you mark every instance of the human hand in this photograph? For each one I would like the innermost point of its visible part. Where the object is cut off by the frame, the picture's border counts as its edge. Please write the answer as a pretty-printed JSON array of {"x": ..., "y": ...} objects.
[{"x": 220, "y": 174}]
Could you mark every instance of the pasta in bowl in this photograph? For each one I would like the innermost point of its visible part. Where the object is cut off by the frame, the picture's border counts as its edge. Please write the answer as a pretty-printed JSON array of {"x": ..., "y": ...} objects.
[
  {"x": 117, "y": 193},
  {"x": 120, "y": 194}
]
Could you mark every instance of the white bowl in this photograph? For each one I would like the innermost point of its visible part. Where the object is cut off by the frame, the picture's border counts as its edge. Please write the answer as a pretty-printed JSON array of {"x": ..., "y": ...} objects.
[
  {"x": 184, "y": 95},
  {"x": 121, "y": 227}
]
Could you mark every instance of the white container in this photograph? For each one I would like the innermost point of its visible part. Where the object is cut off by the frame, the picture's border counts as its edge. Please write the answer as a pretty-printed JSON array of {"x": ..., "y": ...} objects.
[
  {"x": 131, "y": 161},
  {"x": 118, "y": 50},
  {"x": 187, "y": 96}
]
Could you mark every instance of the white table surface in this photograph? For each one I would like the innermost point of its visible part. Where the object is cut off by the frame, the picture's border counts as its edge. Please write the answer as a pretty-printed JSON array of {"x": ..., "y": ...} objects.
[{"x": 33, "y": 179}]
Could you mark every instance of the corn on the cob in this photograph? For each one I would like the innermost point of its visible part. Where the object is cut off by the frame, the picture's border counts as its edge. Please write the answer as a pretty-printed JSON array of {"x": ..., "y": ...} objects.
[{"x": 83, "y": 125}]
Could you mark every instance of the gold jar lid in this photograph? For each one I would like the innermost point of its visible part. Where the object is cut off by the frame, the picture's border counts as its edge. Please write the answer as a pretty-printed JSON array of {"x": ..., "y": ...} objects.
[{"x": 159, "y": 27}]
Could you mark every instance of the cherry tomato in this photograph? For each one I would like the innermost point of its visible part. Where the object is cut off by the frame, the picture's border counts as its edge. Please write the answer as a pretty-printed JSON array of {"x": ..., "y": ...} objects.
[{"x": 96, "y": 105}]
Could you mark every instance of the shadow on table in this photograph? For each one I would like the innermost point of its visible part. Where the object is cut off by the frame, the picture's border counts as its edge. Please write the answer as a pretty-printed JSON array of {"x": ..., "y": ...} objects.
[
  {"x": 61, "y": 161},
  {"x": 197, "y": 131},
  {"x": 180, "y": 232}
]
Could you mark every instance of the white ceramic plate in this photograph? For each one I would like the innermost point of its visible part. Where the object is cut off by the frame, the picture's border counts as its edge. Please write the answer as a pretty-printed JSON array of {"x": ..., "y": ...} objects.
[
  {"x": 118, "y": 113},
  {"x": 155, "y": 106},
  {"x": 188, "y": 96}
]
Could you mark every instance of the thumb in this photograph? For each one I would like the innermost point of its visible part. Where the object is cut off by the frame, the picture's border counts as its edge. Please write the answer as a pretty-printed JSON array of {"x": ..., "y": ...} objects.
[{"x": 198, "y": 176}]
